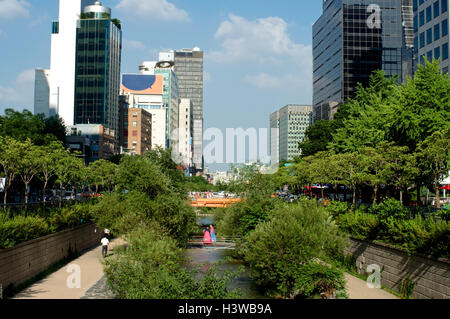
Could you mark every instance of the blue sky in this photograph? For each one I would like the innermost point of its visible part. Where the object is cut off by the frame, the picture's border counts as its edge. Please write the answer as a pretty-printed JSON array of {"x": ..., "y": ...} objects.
[{"x": 257, "y": 53}]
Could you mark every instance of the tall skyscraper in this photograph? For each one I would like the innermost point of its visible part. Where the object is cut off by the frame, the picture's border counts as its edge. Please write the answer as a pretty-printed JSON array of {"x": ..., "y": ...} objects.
[
  {"x": 185, "y": 132},
  {"x": 41, "y": 91},
  {"x": 97, "y": 70},
  {"x": 431, "y": 24},
  {"x": 274, "y": 138},
  {"x": 189, "y": 70},
  {"x": 352, "y": 39},
  {"x": 62, "y": 61},
  {"x": 292, "y": 122}
]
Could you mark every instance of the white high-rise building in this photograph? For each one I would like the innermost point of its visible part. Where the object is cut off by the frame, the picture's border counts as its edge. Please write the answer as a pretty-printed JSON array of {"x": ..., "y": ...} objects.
[
  {"x": 41, "y": 91},
  {"x": 62, "y": 62},
  {"x": 185, "y": 131}
]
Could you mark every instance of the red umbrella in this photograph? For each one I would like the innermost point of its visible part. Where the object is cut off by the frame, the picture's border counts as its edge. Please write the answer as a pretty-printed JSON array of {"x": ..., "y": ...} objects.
[{"x": 447, "y": 187}]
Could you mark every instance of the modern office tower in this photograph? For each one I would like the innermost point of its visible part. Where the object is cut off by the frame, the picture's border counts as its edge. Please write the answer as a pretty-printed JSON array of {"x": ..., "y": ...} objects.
[
  {"x": 145, "y": 91},
  {"x": 353, "y": 38},
  {"x": 274, "y": 138},
  {"x": 97, "y": 70},
  {"x": 62, "y": 61},
  {"x": 431, "y": 23},
  {"x": 136, "y": 131},
  {"x": 292, "y": 121},
  {"x": 189, "y": 70},
  {"x": 185, "y": 132},
  {"x": 41, "y": 91}
]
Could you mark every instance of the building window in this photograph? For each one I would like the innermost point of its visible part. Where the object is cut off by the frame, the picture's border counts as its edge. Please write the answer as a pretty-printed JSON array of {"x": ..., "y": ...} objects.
[
  {"x": 430, "y": 56},
  {"x": 429, "y": 16},
  {"x": 445, "y": 27},
  {"x": 422, "y": 40},
  {"x": 445, "y": 51},
  {"x": 135, "y": 124},
  {"x": 436, "y": 9},
  {"x": 55, "y": 27},
  {"x": 421, "y": 18},
  {"x": 437, "y": 33},
  {"x": 429, "y": 36},
  {"x": 134, "y": 133},
  {"x": 437, "y": 53},
  {"x": 444, "y": 6}
]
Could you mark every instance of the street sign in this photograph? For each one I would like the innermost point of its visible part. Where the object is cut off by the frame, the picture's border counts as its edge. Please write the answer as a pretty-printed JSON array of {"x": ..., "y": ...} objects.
[{"x": 2, "y": 184}]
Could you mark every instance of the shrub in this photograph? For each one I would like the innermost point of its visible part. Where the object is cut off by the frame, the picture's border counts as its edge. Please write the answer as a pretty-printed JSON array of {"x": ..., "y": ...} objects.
[
  {"x": 359, "y": 225},
  {"x": 390, "y": 208},
  {"x": 19, "y": 229},
  {"x": 292, "y": 238},
  {"x": 336, "y": 208},
  {"x": 151, "y": 268},
  {"x": 315, "y": 279}
]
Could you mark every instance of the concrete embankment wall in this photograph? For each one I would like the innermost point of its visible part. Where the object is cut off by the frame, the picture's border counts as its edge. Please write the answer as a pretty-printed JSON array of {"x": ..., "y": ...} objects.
[
  {"x": 26, "y": 260},
  {"x": 431, "y": 276}
]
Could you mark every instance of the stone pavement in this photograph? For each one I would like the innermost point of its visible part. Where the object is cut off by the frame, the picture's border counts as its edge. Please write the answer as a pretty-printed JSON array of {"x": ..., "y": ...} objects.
[
  {"x": 357, "y": 289},
  {"x": 92, "y": 284}
]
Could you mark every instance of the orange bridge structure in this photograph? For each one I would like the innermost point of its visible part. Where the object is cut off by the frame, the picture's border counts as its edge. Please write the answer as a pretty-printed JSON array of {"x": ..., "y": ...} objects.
[{"x": 215, "y": 202}]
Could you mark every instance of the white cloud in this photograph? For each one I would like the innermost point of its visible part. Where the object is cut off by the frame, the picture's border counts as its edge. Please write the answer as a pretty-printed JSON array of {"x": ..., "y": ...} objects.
[
  {"x": 26, "y": 77},
  {"x": 153, "y": 10},
  {"x": 263, "y": 81},
  {"x": 133, "y": 44},
  {"x": 9, "y": 94},
  {"x": 10, "y": 9},
  {"x": 263, "y": 41}
]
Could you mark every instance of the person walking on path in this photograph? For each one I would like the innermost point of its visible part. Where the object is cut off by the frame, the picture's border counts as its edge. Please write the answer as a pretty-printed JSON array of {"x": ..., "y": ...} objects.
[
  {"x": 207, "y": 236},
  {"x": 213, "y": 234},
  {"x": 105, "y": 243}
]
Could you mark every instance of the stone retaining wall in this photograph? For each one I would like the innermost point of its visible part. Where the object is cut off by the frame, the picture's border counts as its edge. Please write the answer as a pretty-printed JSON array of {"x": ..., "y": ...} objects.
[
  {"x": 26, "y": 260},
  {"x": 431, "y": 276}
]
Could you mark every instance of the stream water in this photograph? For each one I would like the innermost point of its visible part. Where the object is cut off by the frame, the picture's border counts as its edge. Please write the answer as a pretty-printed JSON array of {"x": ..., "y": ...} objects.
[{"x": 209, "y": 255}]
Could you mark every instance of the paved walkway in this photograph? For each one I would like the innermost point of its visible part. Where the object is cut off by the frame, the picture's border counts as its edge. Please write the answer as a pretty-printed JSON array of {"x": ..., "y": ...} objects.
[
  {"x": 56, "y": 285},
  {"x": 357, "y": 289}
]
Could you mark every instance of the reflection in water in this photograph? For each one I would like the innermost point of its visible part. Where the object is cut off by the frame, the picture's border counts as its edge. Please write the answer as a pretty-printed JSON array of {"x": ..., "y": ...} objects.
[{"x": 210, "y": 255}]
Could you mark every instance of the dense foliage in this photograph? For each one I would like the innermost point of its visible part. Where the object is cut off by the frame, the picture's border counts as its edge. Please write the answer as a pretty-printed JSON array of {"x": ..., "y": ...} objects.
[
  {"x": 390, "y": 222},
  {"x": 295, "y": 238}
]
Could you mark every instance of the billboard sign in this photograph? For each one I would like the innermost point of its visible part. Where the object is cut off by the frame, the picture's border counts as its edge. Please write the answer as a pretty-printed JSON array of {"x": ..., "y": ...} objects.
[{"x": 142, "y": 84}]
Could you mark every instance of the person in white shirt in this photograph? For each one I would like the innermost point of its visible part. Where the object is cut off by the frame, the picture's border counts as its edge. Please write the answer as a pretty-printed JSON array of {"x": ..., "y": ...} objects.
[{"x": 105, "y": 243}]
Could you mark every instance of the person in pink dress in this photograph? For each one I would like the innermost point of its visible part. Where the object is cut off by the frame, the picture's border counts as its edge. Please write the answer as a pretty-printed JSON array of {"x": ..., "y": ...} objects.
[{"x": 207, "y": 236}]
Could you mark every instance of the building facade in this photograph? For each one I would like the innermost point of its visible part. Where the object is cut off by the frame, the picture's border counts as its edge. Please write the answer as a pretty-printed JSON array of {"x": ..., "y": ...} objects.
[
  {"x": 97, "y": 70},
  {"x": 189, "y": 70},
  {"x": 293, "y": 121},
  {"x": 145, "y": 91},
  {"x": 41, "y": 91},
  {"x": 185, "y": 132},
  {"x": 431, "y": 24},
  {"x": 101, "y": 141},
  {"x": 353, "y": 38},
  {"x": 274, "y": 138},
  {"x": 136, "y": 131}
]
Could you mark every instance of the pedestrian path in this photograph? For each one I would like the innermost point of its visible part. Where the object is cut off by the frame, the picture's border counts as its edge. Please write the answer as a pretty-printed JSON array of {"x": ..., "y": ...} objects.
[
  {"x": 63, "y": 283},
  {"x": 358, "y": 289}
]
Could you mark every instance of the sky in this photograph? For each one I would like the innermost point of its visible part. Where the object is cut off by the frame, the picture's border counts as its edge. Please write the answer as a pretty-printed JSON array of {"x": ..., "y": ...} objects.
[{"x": 258, "y": 54}]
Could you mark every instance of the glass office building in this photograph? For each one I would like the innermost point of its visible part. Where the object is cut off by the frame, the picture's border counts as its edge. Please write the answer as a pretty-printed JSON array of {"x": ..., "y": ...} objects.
[
  {"x": 431, "y": 38},
  {"x": 171, "y": 101},
  {"x": 97, "y": 71},
  {"x": 352, "y": 39}
]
